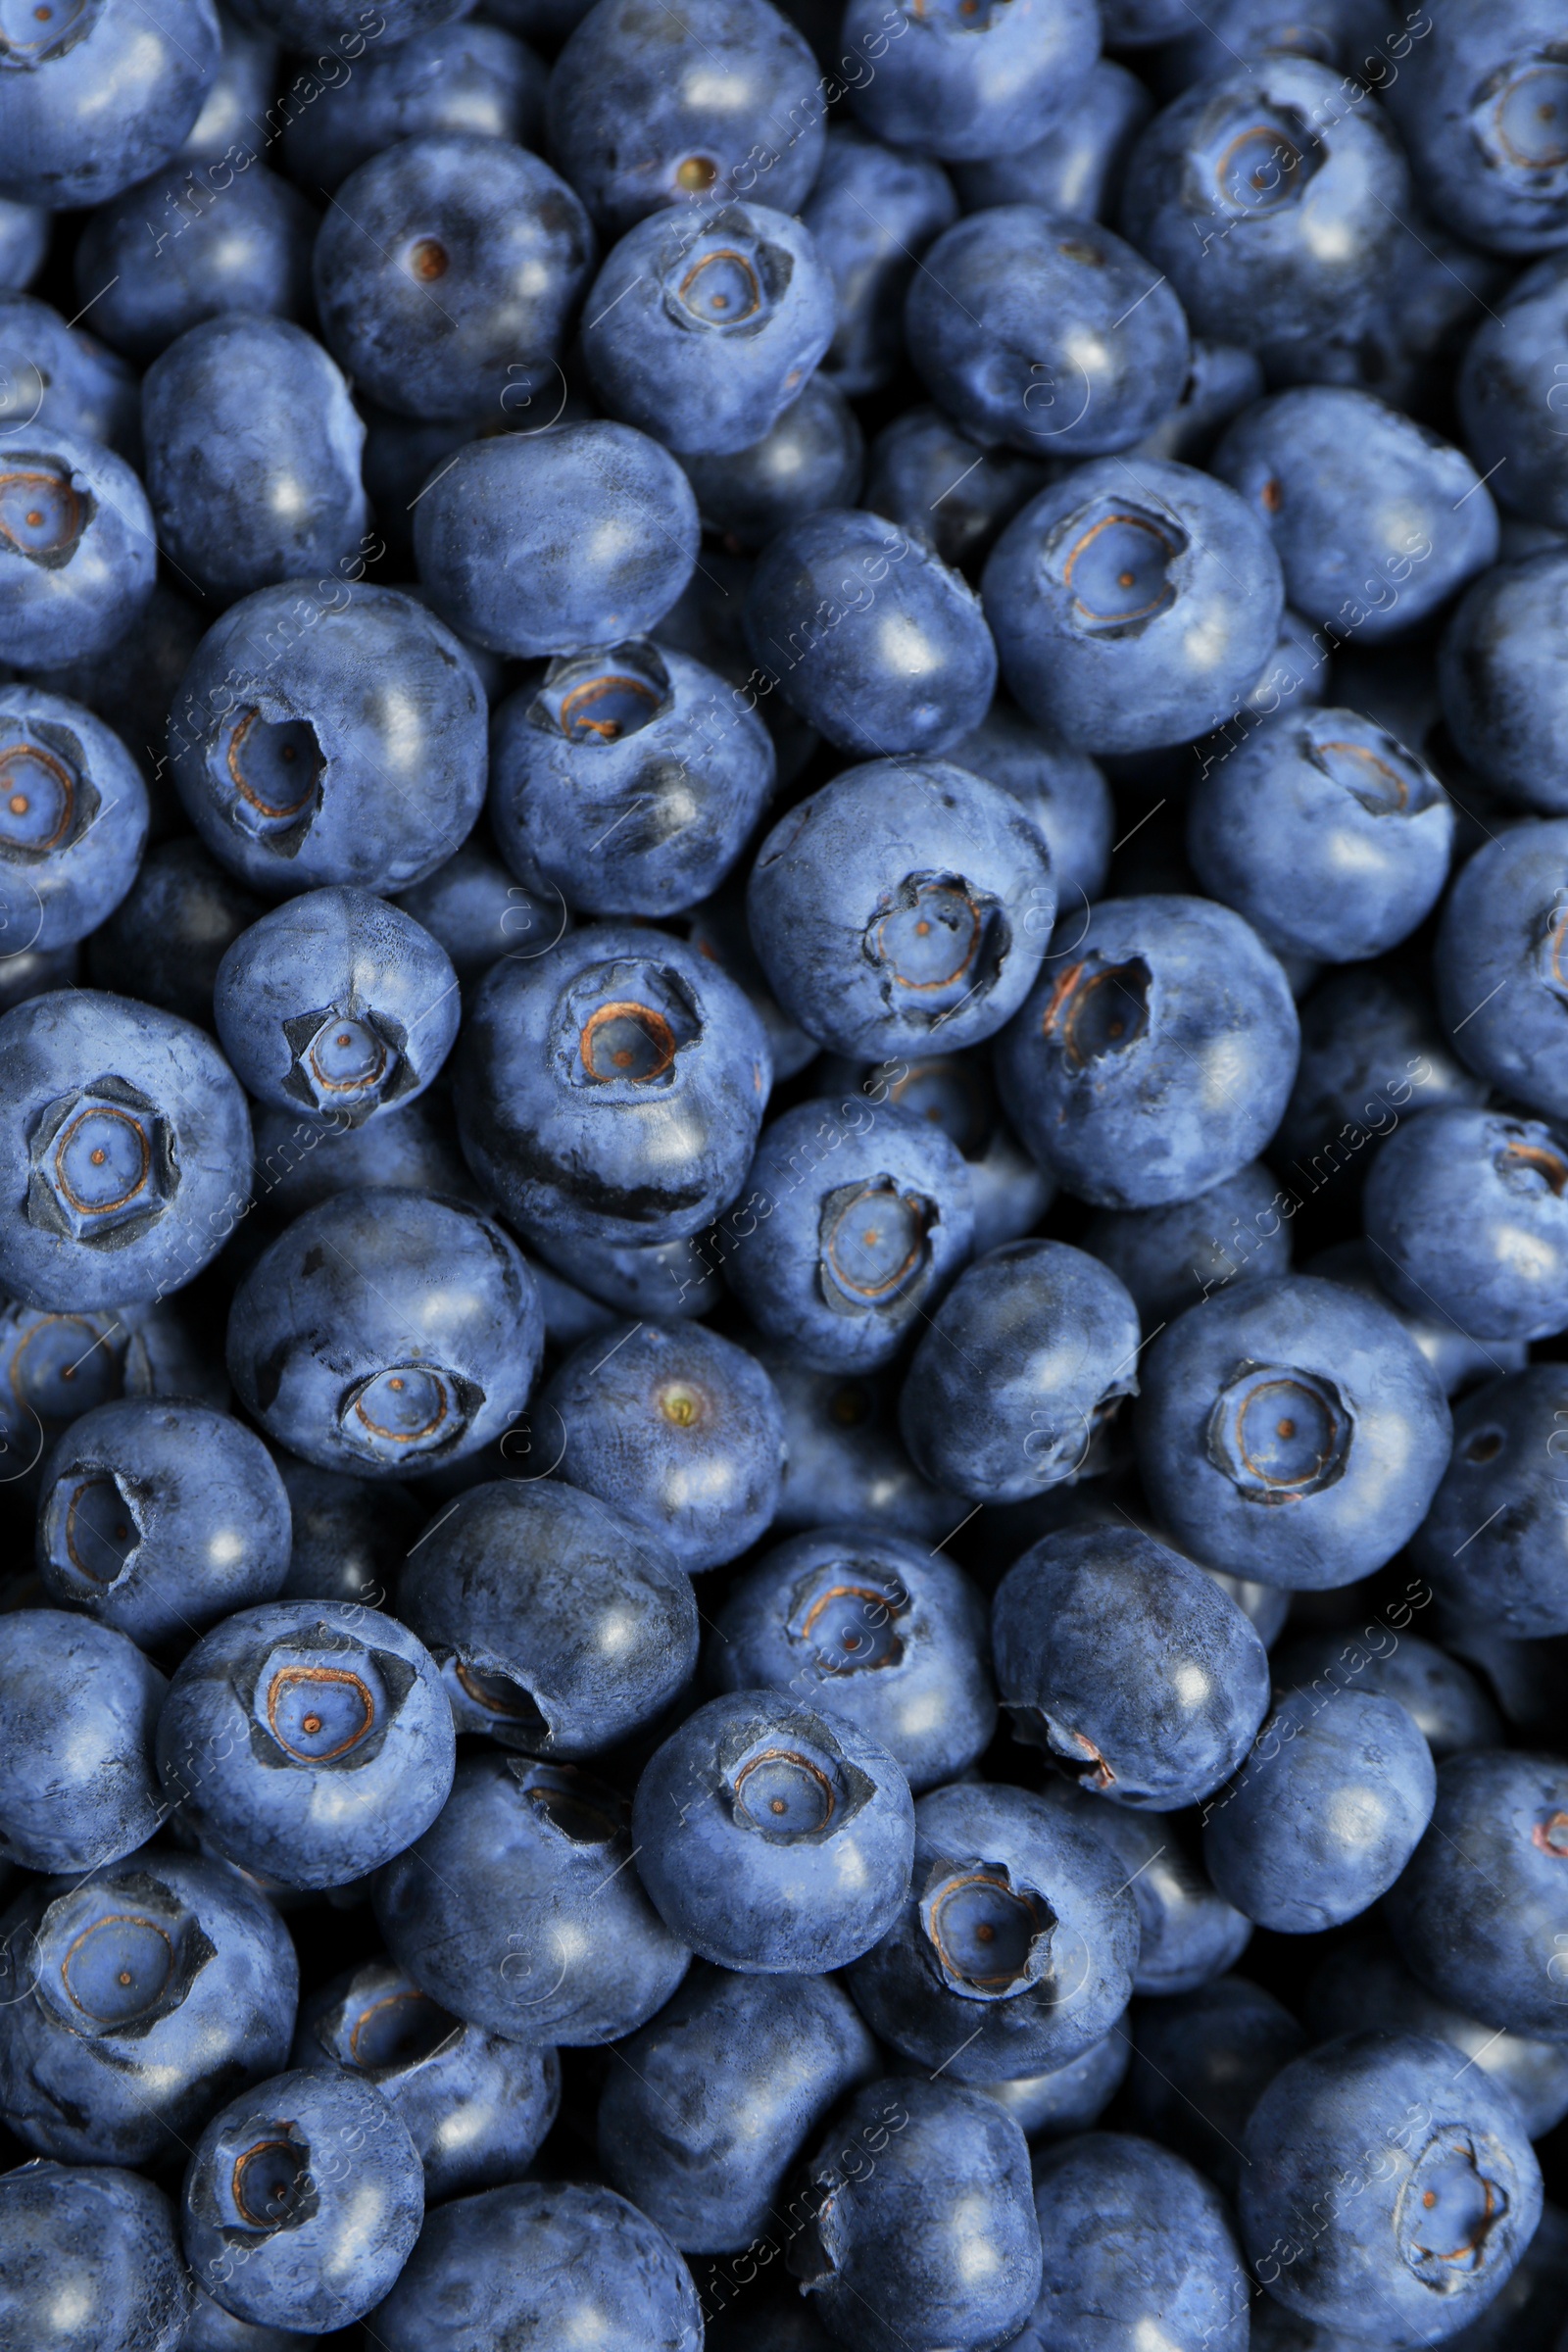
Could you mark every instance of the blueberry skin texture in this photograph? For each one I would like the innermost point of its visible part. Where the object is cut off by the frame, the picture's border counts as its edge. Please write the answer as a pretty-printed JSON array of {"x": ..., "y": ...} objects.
[
  {"x": 1067, "y": 2099},
  {"x": 1387, "y": 2105},
  {"x": 873, "y": 212},
  {"x": 812, "y": 455},
  {"x": 965, "y": 87},
  {"x": 62, "y": 147},
  {"x": 1133, "y": 2239},
  {"x": 1155, "y": 1057},
  {"x": 307, "y": 1740},
  {"x": 63, "y": 380},
  {"x": 471, "y": 78},
  {"x": 942, "y": 487},
  {"x": 851, "y": 885},
  {"x": 1077, "y": 168},
  {"x": 475, "y": 2107},
  {"x": 1478, "y": 106},
  {"x": 196, "y": 1992},
  {"x": 904, "y": 664},
  {"x": 1504, "y": 681},
  {"x": 364, "y": 688},
  {"x": 1499, "y": 937},
  {"x": 447, "y": 273},
  {"x": 1356, "y": 1473},
  {"x": 390, "y": 1304},
  {"x": 247, "y": 248},
  {"x": 478, "y": 915},
  {"x": 1025, "y": 1359},
  {"x": 70, "y": 852},
  {"x": 352, "y": 2198},
  {"x": 518, "y": 1912},
  {"x": 855, "y": 1622},
  {"x": 79, "y": 1073},
  {"x": 1443, "y": 1699},
  {"x": 1494, "y": 1544},
  {"x": 1062, "y": 789},
  {"x": 349, "y": 1535},
  {"x": 1150, "y": 664},
  {"x": 701, "y": 2124},
  {"x": 846, "y": 1460},
  {"x": 1129, "y": 1665},
  {"x": 532, "y": 2264},
  {"x": 809, "y": 1265},
  {"x": 89, "y": 2261},
  {"x": 1054, "y": 1974},
  {"x": 212, "y": 2329},
  {"x": 1172, "y": 1258},
  {"x": 1188, "y": 1933},
  {"x": 506, "y": 539},
  {"x": 1371, "y": 1052},
  {"x": 79, "y": 1703},
  {"x": 560, "y": 1139},
  {"x": 1305, "y": 255},
  {"x": 558, "y": 1625},
  {"x": 712, "y": 101},
  {"x": 300, "y": 1162},
  {"x": 199, "y": 1499},
  {"x": 168, "y": 936},
  {"x": 1504, "y": 392},
  {"x": 298, "y": 24},
  {"x": 1478, "y": 1913},
  {"x": 766, "y": 1902},
  {"x": 625, "y": 782},
  {"x": 933, "y": 2243},
  {"x": 1465, "y": 1217},
  {"x": 75, "y": 582},
  {"x": 252, "y": 456},
  {"x": 1046, "y": 333},
  {"x": 1376, "y": 521},
  {"x": 336, "y": 1005},
  {"x": 1200, "y": 2064}
]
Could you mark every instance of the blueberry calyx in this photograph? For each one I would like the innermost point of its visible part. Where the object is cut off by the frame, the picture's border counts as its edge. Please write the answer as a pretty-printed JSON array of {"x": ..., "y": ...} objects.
[
  {"x": 42, "y": 512},
  {"x": 1279, "y": 1433},
  {"x": 989, "y": 1937}
]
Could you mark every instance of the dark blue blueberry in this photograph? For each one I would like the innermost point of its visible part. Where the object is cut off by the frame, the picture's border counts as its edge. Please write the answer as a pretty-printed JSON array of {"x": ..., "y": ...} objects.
[
  {"x": 303, "y": 2201},
  {"x": 995, "y": 1406},
  {"x": 73, "y": 820},
  {"x": 1060, "y": 788},
  {"x": 455, "y": 79},
  {"x": 1046, "y": 333},
  {"x": 717, "y": 99},
  {"x": 240, "y": 91},
  {"x": 89, "y": 2258},
  {"x": 611, "y": 1091},
  {"x": 185, "y": 247},
  {"x": 386, "y": 1331},
  {"x": 134, "y": 2002},
  {"x": 811, "y": 456},
  {"x": 1015, "y": 1948},
  {"x": 1135, "y": 1673},
  {"x": 302, "y": 1162},
  {"x": 954, "y": 1093},
  {"x": 624, "y": 781},
  {"x": 1334, "y": 32},
  {"x": 168, "y": 936},
  {"x": 1289, "y": 1430},
  {"x": 131, "y": 684},
  {"x": 23, "y": 242},
  {"x": 1272, "y": 197},
  {"x": 963, "y": 83},
  {"x": 717, "y": 930},
  {"x": 55, "y": 1367},
  {"x": 475, "y": 2107},
  {"x": 1133, "y": 606},
  {"x": 1188, "y": 1935},
  {"x": 62, "y": 142},
  {"x": 1078, "y": 165},
  {"x": 1443, "y": 1699},
  {"x": 1172, "y": 1258},
  {"x": 922, "y": 2230},
  {"x": 77, "y": 1708},
  {"x": 1222, "y": 379},
  {"x": 471, "y": 907},
  {"x": 351, "y": 1534},
  {"x": 888, "y": 1633},
  {"x": 772, "y": 1839},
  {"x": 1504, "y": 678},
  {"x": 558, "y": 1625},
  {"x": 1447, "y": 2189},
  {"x": 873, "y": 212},
  {"x": 345, "y": 26},
  {"x": 1136, "y": 2247},
  {"x": 1510, "y": 398},
  {"x": 252, "y": 457},
  {"x": 1200, "y": 2064},
  {"x": 519, "y": 1909},
  {"x": 704, "y": 2115},
  {"x": 512, "y": 547},
  {"x": 1156, "y": 1054},
  {"x": 1372, "y": 1051},
  {"x": 63, "y": 380},
  {"x": 1483, "y": 106},
  {"x": 1066, "y": 2099},
  {"x": 1324, "y": 1814},
  {"x": 124, "y": 1150},
  {"x": 77, "y": 556},
  {"x": 1494, "y": 1544},
  {"x": 159, "y": 1517},
  {"x": 212, "y": 2329},
  {"x": 1500, "y": 967},
  {"x": 941, "y": 487},
  {"x": 535, "y": 2266},
  {"x": 846, "y": 1459},
  {"x": 664, "y": 1280},
  {"x": 869, "y": 637},
  {"x": 708, "y": 622},
  {"x": 1467, "y": 1218}
]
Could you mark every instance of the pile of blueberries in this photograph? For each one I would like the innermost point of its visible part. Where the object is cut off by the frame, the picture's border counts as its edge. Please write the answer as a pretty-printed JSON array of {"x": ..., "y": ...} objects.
[{"x": 783, "y": 1175}]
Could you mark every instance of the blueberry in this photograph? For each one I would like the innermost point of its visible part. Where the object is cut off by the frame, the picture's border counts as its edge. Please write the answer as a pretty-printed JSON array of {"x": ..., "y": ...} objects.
[
  {"x": 239, "y": 93},
  {"x": 350, "y": 1535},
  {"x": 873, "y": 212},
  {"x": 1465, "y": 1213},
  {"x": 471, "y": 906},
  {"x": 954, "y": 1093},
  {"x": 1067, "y": 2099},
  {"x": 1447, "y": 2188},
  {"x": 534, "y": 2265},
  {"x": 301, "y": 1161},
  {"x": 963, "y": 83},
  {"x": 611, "y": 1091},
  {"x": 512, "y": 545},
  {"x": 135, "y": 2000},
  {"x": 386, "y": 1331},
  {"x": 1372, "y": 1051},
  {"x": 1200, "y": 2064},
  {"x": 78, "y": 555},
  {"x": 62, "y": 146},
  {"x": 300, "y": 24},
  {"x": 1483, "y": 107},
  {"x": 79, "y": 1703},
  {"x": 89, "y": 2257},
  {"x": 1133, "y": 2240},
  {"x": 1156, "y": 1054},
  {"x": 1443, "y": 1699},
  {"x": 212, "y": 2329},
  {"x": 475, "y": 2107},
  {"x": 168, "y": 936},
  {"x": 73, "y": 820},
  {"x": 131, "y": 685},
  {"x": 303, "y": 2201},
  {"x": 616, "y": 1280},
  {"x": 519, "y": 1910},
  {"x": 1498, "y": 974},
  {"x": 55, "y": 1367},
  {"x": 905, "y": 664},
  {"x": 1133, "y": 606},
  {"x": 252, "y": 457},
  {"x": 624, "y": 781},
  {"x": 158, "y": 1518},
  {"x": 1188, "y": 1933},
  {"x": 1062, "y": 789},
  {"x": 63, "y": 380},
  {"x": 812, "y": 455},
  {"x": 297, "y": 762},
  {"x": 173, "y": 252},
  {"x": 941, "y": 487},
  {"x": 1078, "y": 165},
  {"x": 1222, "y": 379},
  {"x": 558, "y": 1624},
  {"x": 23, "y": 242},
  {"x": 124, "y": 1144},
  {"x": 773, "y": 1840},
  {"x": 1509, "y": 397},
  {"x": 1494, "y": 1544},
  {"x": 1174, "y": 1257},
  {"x": 1290, "y": 1431},
  {"x": 473, "y": 80},
  {"x": 1014, "y": 1951},
  {"x": 1503, "y": 681},
  {"x": 846, "y": 1460}
]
